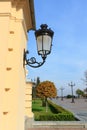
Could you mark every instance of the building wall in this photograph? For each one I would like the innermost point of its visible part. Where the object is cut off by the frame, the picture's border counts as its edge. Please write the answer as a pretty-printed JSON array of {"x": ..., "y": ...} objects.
[
  {"x": 28, "y": 99},
  {"x": 13, "y": 40}
]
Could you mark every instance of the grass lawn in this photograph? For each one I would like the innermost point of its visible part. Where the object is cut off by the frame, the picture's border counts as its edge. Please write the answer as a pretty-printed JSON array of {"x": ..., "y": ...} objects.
[{"x": 37, "y": 107}]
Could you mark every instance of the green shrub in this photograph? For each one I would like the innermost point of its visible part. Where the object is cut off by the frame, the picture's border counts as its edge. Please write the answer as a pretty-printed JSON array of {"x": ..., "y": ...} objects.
[
  {"x": 55, "y": 117},
  {"x": 56, "y": 108},
  {"x": 55, "y": 113}
]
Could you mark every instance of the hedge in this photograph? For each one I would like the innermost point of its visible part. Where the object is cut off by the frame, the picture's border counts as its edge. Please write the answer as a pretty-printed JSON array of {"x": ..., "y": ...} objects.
[
  {"x": 54, "y": 117},
  {"x": 56, "y": 108},
  {"x": 59, "y": 114}
]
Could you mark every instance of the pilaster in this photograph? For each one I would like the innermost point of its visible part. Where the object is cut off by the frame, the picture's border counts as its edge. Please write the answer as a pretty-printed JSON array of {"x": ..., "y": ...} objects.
[{"x": 28, "y": 100}]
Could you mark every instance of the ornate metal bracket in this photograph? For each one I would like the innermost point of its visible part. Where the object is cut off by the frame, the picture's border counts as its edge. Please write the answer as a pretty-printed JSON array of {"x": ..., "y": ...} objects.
[{"x": 32, "y": 61}]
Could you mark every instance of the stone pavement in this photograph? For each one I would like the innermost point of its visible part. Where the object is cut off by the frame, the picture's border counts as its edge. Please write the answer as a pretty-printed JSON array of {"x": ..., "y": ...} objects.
[
  {"x": 79, "y": 108},
  {"x": 57, "y": 129}
]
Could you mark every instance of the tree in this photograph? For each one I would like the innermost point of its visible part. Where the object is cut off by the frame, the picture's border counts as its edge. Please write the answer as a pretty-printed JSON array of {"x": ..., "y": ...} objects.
[
  {"x": 85, "y": 74},
  {"x": 46, "y": 89},
  {"x": 85, "y": 78},
  {"x": 79, "y": 92},
  {"x": 36, "y": 82},
  {"x": 69, "y": 96},
  {"x": 85, "y": 90},
  {"x": 85, "y": 81}
]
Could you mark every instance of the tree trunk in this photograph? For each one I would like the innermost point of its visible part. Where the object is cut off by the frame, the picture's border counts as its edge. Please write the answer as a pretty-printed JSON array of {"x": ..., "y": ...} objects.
[
  {"x": 46, "y": 105},
  {"x": 43, "y": 102}
]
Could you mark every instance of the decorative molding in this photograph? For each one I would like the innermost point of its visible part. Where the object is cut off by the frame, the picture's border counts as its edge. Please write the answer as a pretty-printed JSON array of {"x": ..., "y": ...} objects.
[
  {"x": 5, "y": 14},
  {"x": 11, "y": 32},
  {"x": 5, "y": 113},
  {"x": 16, "y": 20},
  {"x": 28, "y": 94},
  {"x": 28, "y": 9},
  {"x": 27, "y": 100},
  {"x": 8, "y": 68},
  {"x": 27, "y": 107},
  {"x": 18, "y": 3},
  {"x": 10, "y": 49},
  {"x": 7, "y": 89}
]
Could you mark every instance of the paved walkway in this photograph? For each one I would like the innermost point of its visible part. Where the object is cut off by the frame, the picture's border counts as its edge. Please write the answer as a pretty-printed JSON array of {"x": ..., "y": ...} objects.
[
  {"x": 79, "y": 108},
  {"x": 57, "y": 129}
]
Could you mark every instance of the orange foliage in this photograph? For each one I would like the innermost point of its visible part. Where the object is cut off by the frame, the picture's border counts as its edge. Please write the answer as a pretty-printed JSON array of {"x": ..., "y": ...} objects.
[{"x": 46, "y": 89}]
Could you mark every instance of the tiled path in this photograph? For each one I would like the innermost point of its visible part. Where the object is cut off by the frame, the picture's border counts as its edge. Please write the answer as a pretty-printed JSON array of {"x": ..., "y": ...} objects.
[{"x": 57, "y": 129}]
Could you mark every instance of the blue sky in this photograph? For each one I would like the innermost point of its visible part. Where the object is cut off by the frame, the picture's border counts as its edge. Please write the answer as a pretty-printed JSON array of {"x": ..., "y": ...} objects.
[{"x": 68, "y": 59}]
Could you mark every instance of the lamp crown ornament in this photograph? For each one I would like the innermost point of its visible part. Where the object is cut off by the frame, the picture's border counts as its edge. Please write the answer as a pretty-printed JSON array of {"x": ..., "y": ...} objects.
[{"x": 44, "y": 38}]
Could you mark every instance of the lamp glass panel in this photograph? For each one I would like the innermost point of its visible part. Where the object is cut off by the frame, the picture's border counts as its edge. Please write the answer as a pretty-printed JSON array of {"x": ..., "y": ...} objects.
[
  {"x": 43, "y": 44},
  {"x": 39, "y": 44},
  {"x": 47, "y": 43}
]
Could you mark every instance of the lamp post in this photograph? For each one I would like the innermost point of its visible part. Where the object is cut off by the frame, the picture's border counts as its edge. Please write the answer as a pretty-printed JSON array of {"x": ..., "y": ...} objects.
[
  {"x": 72, "y": 85},
  {"x": 61, "y": 93},
  {"x": 44, "y": 38}
]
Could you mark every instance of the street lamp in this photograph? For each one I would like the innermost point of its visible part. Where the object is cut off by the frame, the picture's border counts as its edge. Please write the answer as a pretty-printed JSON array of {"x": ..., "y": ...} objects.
[
  {"x": 71, "y": 85},
  {"x": 44, "y": 38},
  {"x": 61, "y": 93}
]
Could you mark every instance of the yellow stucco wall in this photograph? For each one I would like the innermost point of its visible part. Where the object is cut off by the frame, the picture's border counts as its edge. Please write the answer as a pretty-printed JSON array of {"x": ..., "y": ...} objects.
[
  {"x": 13, "y": 39},
  {"x": 28, "y": 99}
]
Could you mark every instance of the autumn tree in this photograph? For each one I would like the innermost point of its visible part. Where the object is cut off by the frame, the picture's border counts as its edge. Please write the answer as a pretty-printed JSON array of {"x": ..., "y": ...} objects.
[{"x": 46, "y": 89}]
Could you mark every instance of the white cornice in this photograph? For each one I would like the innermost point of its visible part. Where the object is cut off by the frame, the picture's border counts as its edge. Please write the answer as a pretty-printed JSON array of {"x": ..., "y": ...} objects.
[
  {"x": 28, "y": 11},
  {"x": 18, "y": 3},
  {"x": 28, "y": 8}
]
